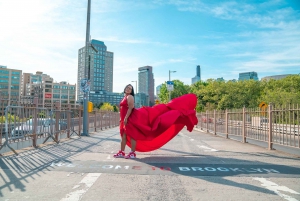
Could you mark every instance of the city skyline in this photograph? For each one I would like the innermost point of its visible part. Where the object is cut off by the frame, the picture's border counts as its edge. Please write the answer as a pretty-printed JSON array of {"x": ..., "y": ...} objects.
[{"x": 224, "y": 38}]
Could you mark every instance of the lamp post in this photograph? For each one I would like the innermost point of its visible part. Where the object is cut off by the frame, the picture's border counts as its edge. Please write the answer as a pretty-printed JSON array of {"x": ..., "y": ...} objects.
[
  {"x": 136, "y": 90},
  {"x": 135, "y": 85},
  {"x": 170, "y": 80},
  {"x": 85, "y": 130}
]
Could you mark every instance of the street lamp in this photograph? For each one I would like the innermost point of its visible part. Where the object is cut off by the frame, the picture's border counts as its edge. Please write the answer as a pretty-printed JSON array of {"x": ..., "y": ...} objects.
[
  {"x": 170, "y": 80},
  {"x": 135, "y": 85},
  {"x": 85, "y": 129}
]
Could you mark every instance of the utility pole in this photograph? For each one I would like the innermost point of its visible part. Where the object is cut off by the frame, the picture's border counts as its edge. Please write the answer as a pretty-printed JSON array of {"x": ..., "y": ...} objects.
[
  {"x": 85, "y": 131},
  {"x": 135, "y": 86},
  {"x": 170, "y": 80}
]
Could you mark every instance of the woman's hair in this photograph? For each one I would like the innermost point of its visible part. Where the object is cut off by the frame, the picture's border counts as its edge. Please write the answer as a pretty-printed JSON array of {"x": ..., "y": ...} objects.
[{"x": 132, "y": 91}]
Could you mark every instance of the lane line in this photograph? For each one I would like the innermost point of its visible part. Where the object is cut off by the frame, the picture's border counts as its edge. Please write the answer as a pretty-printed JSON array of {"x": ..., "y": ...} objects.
[
  {"x": 86, "y": 183},
  {"x": 206, "y": 148},
  {"x": 276, "y": 189}
]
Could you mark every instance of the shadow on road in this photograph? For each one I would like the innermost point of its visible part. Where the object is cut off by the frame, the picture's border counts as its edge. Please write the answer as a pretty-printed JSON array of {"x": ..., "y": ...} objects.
[{"x": 18, "y": 168}]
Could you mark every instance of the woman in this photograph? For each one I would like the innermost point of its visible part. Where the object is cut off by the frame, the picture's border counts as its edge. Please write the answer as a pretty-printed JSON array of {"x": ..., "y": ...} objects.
[
  {"x": 149, "y": 128},
  {"x": 126, "y": 108}
]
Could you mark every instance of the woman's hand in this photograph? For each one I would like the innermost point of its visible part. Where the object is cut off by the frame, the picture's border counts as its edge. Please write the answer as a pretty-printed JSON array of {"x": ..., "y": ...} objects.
[{"x": 125, "y": 121}]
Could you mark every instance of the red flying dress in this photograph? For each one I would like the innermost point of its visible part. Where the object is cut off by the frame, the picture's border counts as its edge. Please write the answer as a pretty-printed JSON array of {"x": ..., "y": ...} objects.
[{"x": 153, "y": 127}]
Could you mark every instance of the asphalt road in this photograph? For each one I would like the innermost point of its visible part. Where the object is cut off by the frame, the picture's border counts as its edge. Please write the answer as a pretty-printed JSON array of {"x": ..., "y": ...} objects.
[{"x": 192, "y": 166}]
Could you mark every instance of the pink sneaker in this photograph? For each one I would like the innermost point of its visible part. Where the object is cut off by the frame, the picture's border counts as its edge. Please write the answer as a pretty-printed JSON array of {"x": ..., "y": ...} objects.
[
  {"x": 131, "y": 155},
  {"x": 120, "y": 154}
]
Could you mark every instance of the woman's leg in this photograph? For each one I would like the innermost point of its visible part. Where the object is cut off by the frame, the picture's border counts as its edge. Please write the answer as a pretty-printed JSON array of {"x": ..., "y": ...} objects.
[
  {"x": 123, "y": 142},
  {"x": 133, "y": 144}
]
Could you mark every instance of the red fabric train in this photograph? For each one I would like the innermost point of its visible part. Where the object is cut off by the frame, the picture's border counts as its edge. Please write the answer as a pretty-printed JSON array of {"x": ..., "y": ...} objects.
[{"x": 153, "y": 127}]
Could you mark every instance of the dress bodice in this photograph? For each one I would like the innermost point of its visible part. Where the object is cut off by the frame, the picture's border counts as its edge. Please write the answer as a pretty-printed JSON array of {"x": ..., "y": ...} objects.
[{"x": 123, "y": 108}]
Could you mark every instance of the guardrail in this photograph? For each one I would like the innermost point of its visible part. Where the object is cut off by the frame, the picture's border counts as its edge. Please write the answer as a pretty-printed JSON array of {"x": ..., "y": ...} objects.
[
  {"x": 274, "y": 125},
  {"x": 30, "y": 125}
]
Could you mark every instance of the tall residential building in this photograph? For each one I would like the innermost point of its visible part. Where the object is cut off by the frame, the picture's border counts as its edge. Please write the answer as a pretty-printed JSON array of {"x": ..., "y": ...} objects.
[
  {"x": 48, "y": 92},
  {"x": 248, "y": 76},
  {"x": 95, "y": 67},
  {"x": 10, "y": 84},
  {"x": 100, "y": 71},
  {"x": 198, "y": 75},
  {"x": 146, "y": 83},
  {"x": 275, "y": 77},
  {"x": 29, "y": 80},
  {"x": 140, "y": 100}
]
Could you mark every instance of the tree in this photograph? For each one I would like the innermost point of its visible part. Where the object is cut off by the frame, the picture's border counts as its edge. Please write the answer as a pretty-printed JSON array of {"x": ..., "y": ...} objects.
[
  {"x": 179, "y": 89},
  {"x": 100, "y": 104},
  {"x": 281, "y": 92},
  {"x": 107, "y": 107},
  {"x": 116, "y": 109}
]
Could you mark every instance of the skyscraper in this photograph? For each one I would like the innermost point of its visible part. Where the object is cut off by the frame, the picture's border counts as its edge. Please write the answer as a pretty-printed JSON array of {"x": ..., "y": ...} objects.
[
  {"x": 100, "y": 70},
  {"x": 198, "y": 75},
  {"x": 146, "y": 82}
]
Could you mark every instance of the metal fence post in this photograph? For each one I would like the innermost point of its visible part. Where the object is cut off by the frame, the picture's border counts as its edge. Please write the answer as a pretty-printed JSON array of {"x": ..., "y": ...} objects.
[
  {"x": 95, "y": 121},
  {"x": 207, "y": 121},
  {"x": 79, "y": 120},
  {"x": 101, "y": 119},
  {"x": 226, "y": 123},
  {"x": 270, "y": 141},
  {"x": 34, "y": 137},
  {"x": 244, "y": 125},
  {"x": 57, "y": 116},
  {"x": 109, "y": 119},
  {"x": 215, "y": 125},
  {"x": 88, "y": 121},
  {"x": 69, "y": 120},
  {"x": 201, "y": 121}
]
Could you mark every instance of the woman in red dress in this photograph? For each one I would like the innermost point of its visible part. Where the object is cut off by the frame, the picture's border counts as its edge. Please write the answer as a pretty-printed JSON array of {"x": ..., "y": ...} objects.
[
  {"x": 126, "y": 108},
  {"x": 149, "y": 128}
]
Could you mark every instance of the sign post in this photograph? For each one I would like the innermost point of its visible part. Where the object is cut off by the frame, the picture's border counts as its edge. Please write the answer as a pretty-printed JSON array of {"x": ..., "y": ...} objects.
[{"x": 170, "y": 87}]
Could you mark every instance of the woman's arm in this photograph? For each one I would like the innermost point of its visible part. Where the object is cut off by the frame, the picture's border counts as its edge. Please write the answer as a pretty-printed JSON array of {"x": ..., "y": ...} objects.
[{"x": 130, "y": 102}]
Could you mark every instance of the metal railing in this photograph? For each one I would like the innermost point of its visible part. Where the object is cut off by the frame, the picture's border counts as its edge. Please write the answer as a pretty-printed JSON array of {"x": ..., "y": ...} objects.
[
  {"x": 274, "y": 125},
  {"x": 31, "y": 125}
]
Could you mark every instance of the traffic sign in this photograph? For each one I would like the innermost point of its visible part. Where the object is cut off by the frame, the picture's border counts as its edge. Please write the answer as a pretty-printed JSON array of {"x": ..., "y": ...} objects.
[
  {"x": 84, "y": 85},
  {"x": 170, "y": 85}
]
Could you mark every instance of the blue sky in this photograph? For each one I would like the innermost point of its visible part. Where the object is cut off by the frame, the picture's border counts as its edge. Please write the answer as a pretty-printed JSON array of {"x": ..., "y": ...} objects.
[{"x": 223, "y": 37}]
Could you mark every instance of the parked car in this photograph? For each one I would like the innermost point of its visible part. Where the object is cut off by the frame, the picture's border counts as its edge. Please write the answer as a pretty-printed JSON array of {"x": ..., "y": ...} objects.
[{"x": 43, "y": 126}]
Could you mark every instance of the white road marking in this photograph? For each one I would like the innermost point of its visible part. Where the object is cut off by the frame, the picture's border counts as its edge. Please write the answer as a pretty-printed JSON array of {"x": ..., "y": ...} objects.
[
  {"x": 192, "y": 139},
  {"x": 70, "y": 173},
  {"x": 86, "y": 183},
  {"x": 109, "y": 158},
  {"x": 206, "y": 148},
  {"x": 275, "y": 188}
]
